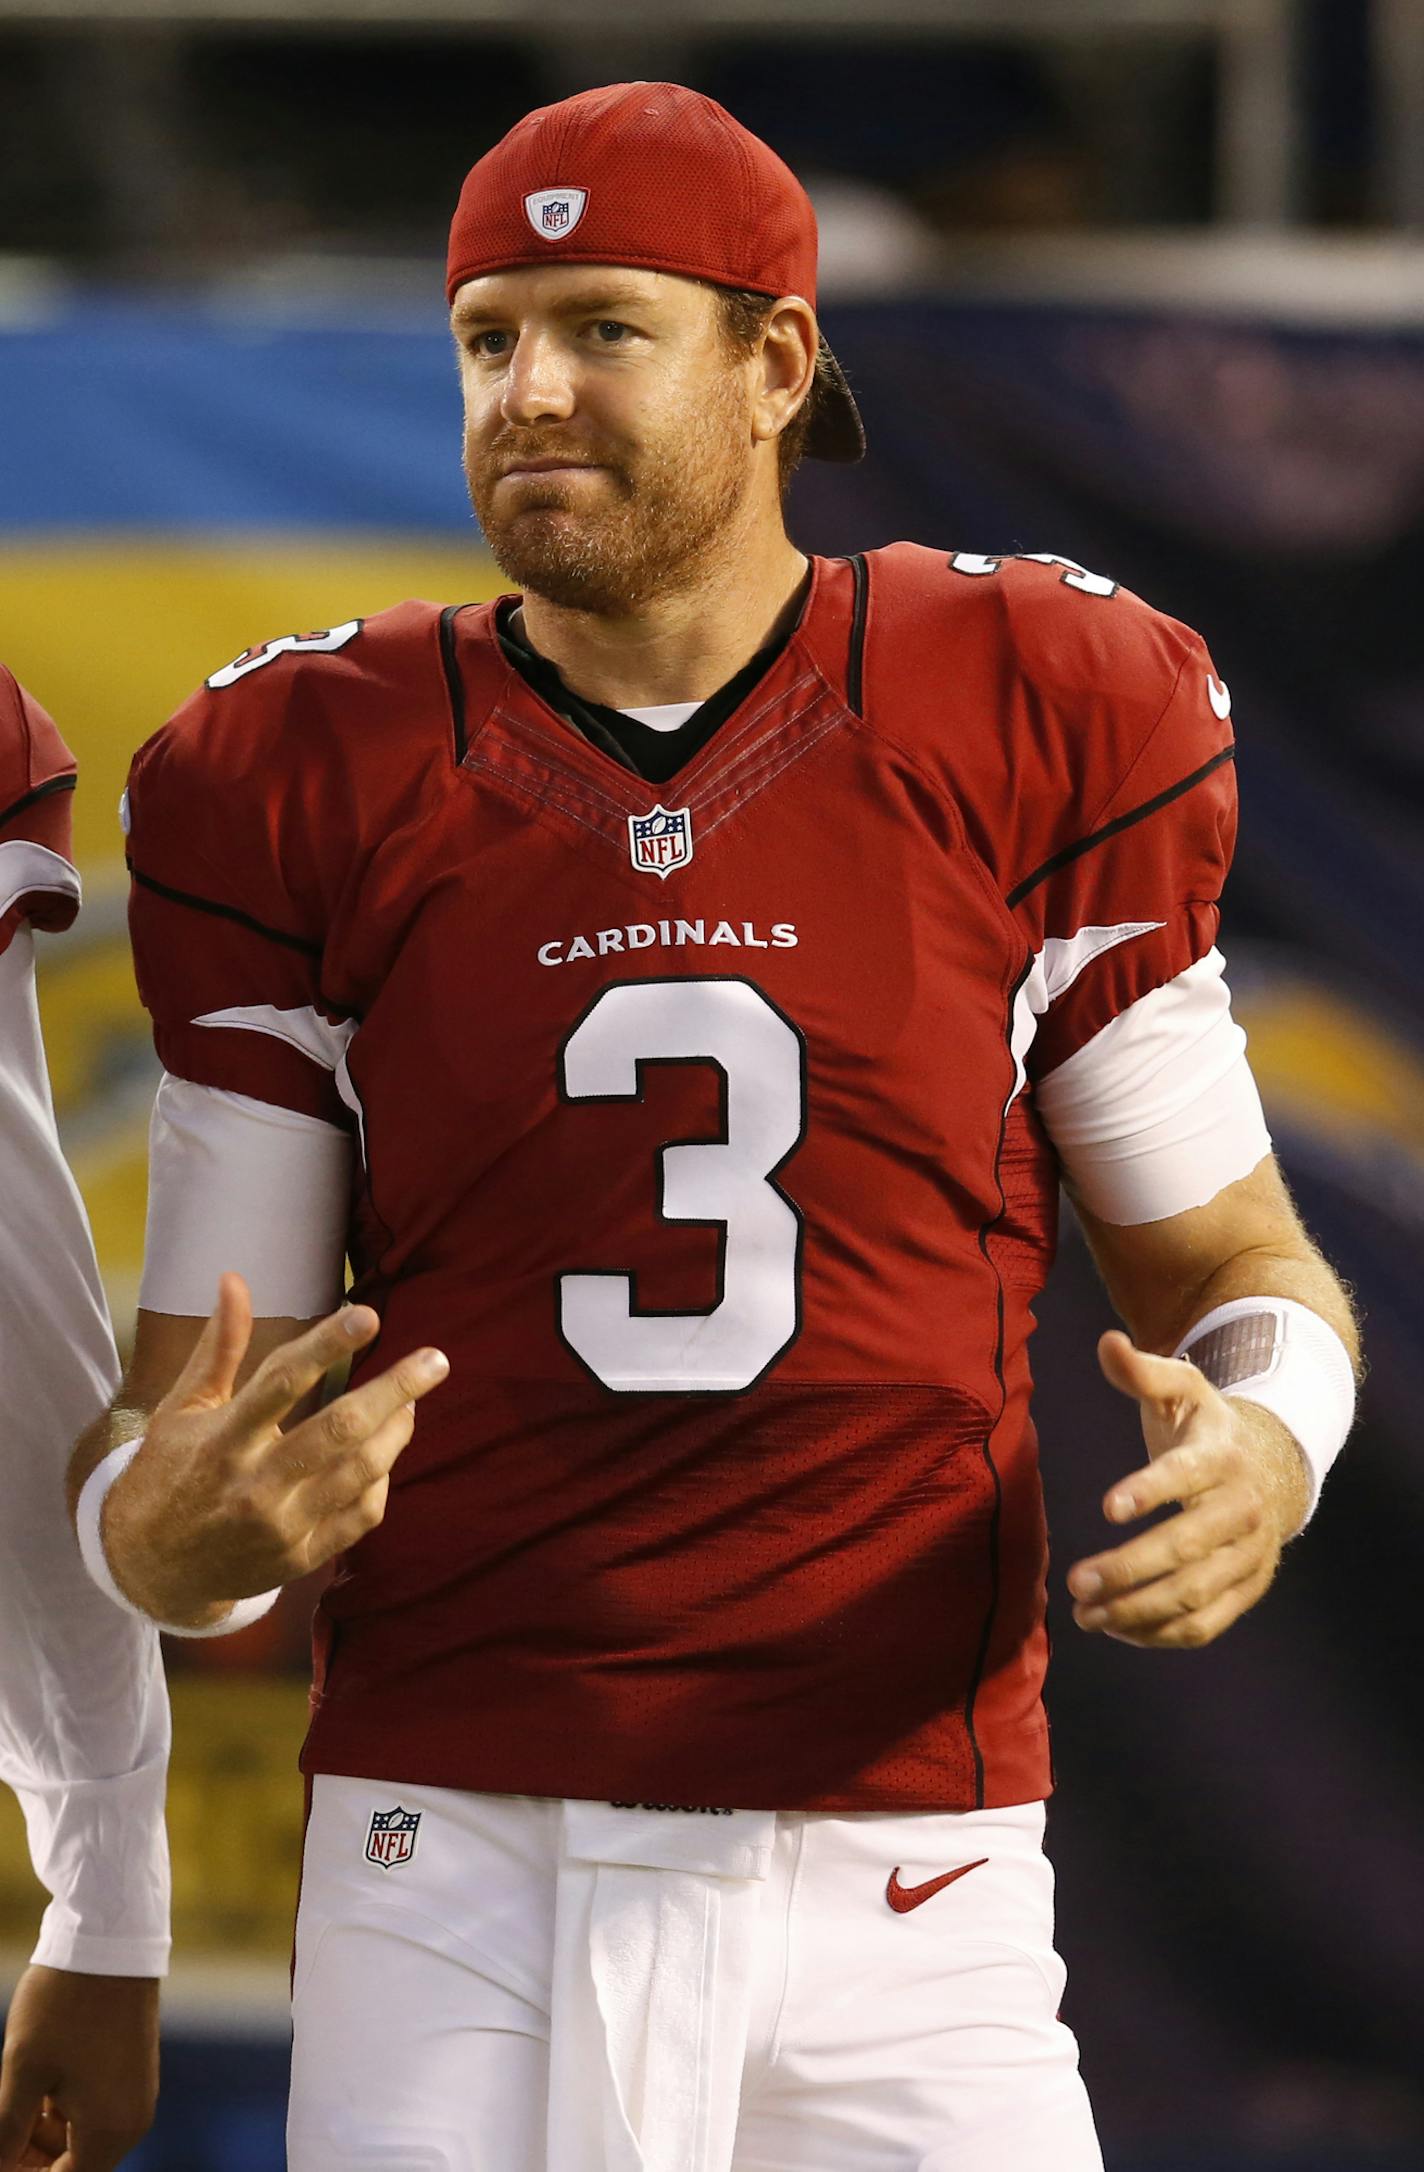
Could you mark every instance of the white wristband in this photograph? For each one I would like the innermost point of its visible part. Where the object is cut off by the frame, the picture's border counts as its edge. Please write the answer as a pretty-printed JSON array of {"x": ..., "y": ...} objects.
[
  {"x": 88, "y": 1519},
  {"x": 1272, "y": 1351}
]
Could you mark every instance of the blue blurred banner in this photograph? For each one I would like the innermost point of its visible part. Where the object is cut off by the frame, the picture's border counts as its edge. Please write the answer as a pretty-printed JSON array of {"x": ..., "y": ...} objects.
[
  {"x": 1237, "y": 1830},
  {"x": 183, "y": 419}
]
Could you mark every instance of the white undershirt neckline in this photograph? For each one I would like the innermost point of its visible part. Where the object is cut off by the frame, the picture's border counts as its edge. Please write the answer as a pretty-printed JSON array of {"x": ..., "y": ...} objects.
[{"x": 664, "y": 716}]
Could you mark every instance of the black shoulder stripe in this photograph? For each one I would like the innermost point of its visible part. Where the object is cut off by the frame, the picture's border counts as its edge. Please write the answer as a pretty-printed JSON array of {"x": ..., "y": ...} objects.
[
  {"x": 454, "y": 684},
  {"x": 855, "y": 691},
  {"x": 224, "y": 912},
  {"x": 1069, "y": 853},
  {"x": 41, "y": 791}
]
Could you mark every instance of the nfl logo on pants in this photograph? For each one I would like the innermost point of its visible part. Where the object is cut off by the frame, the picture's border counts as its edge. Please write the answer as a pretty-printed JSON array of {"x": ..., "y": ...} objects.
[
  {"x": 390, "y": 1837},
  {"x": 660, "y": 841}
]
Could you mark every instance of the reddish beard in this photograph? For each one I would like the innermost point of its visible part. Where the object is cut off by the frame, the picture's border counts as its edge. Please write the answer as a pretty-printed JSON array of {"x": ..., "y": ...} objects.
[{"x": 645, "y": 525}]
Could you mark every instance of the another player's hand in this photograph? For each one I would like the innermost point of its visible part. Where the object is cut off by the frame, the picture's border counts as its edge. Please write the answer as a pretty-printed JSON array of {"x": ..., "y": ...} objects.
[
  {"x": 80, "y": 2074},
  {"x": 1243, "y": 1487},
  {"x": 220, "y": 1503}
]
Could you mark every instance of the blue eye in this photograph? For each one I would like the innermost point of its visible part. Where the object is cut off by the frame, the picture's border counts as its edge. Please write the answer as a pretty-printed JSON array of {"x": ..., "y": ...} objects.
[{"x": 610, "y": 325}]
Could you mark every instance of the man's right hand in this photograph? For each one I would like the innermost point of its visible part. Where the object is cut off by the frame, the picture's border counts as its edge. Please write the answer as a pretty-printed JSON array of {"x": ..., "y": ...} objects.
[{"x": 219, "y": 1503}]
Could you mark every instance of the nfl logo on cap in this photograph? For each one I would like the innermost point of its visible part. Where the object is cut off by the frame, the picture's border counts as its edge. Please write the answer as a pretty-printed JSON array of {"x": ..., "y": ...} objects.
[
  {"x": 553, "y": 213},
  {"x": 660, "y": 841},
  {"x": 390, "y": 1836}
]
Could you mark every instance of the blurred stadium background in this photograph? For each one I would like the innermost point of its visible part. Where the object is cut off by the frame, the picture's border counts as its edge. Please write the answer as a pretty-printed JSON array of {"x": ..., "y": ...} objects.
[{"x": 1140, "y": 281}]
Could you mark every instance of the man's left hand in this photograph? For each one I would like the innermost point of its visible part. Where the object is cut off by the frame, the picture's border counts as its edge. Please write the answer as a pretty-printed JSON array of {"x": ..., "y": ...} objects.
[
  {"x": 79, "y": 2078},
  {"x": 1243, "y": 1489}
]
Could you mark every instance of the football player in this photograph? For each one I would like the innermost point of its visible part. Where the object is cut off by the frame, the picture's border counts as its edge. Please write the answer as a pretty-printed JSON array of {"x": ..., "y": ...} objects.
[
  {"x": 679, "y": 988},
  {"x": 83, "y": 1709}
]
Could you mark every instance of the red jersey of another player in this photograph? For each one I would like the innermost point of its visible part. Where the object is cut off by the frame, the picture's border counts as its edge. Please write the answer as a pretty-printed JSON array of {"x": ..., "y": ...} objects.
[
  {"x": 695, "y": 1122},
  {"x": 37, "y": 878}
]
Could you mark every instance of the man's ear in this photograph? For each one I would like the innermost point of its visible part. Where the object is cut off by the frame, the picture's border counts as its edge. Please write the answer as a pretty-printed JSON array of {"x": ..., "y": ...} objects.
[{"x": 786, "y": 364}]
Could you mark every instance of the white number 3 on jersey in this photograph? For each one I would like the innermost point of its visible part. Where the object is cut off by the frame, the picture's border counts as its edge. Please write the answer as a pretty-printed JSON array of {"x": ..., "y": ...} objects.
[
  {"x": 254, "y": 659},
  {"x": 732, "y": 1025}
]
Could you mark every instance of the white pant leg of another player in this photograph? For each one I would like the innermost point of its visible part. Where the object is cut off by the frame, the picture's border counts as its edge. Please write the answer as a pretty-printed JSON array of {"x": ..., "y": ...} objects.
[
  {"x": 655, "y": 1929},
  {"x": 421, "y": 1990},
  {"x": 918, "y": 2033}
]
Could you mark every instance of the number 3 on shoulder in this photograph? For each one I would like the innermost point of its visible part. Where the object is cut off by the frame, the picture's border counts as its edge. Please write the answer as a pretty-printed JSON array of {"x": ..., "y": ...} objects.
[
  {"x": 253, "y": 659},
  {"x": 1073, "y": 575}
]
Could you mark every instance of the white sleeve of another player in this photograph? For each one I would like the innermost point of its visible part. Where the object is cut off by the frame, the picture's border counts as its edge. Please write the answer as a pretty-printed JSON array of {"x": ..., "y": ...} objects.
[
  {"x": 239, "y": 1185},
  {"x": 83, "y": 1708},
  {"x": 1159, "y": 1111}
]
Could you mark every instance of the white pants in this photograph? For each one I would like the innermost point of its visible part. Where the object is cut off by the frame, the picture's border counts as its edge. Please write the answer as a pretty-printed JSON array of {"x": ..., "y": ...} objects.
[{"x": 518, "y": 1984}]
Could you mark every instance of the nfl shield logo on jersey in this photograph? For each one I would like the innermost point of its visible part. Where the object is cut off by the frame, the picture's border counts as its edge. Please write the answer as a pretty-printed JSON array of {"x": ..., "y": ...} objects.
[
  {"x": 390, "y": 1837},
  {"x": 555, "y": 212},
  {"x": 660, "y": 841}
]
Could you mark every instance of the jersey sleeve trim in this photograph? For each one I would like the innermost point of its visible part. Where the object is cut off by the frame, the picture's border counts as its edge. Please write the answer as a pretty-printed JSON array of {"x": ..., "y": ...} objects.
[
  {"x": 289, "y": 1057},
  {"x": 302, "y": 1027},
  {"x": 27, "y": 869},
  {"x": 38, "y": 792},
  {"x": 37, "y": 885},
  {"x": 1052, "y": 971},
  {"x": 1069, "y": 853},
  {"x": 224, "y": 912}
]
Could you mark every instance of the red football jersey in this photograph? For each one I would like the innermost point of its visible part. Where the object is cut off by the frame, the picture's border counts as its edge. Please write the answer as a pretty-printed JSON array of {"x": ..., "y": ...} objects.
[
  {"x": 37, "y": 878},
  {"x": 691, "y": 1126}
]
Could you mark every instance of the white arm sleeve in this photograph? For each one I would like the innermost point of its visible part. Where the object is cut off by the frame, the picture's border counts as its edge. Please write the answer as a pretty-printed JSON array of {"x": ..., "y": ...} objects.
[
  {"x": 83, "y": 1708},
  {"x": 242, "y": 1185},
  {"x": 1159, "y": 1111}
]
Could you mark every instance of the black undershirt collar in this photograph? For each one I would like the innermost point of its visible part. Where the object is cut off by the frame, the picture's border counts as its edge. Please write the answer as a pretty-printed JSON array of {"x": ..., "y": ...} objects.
[{"x": 656, "y": 756}]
